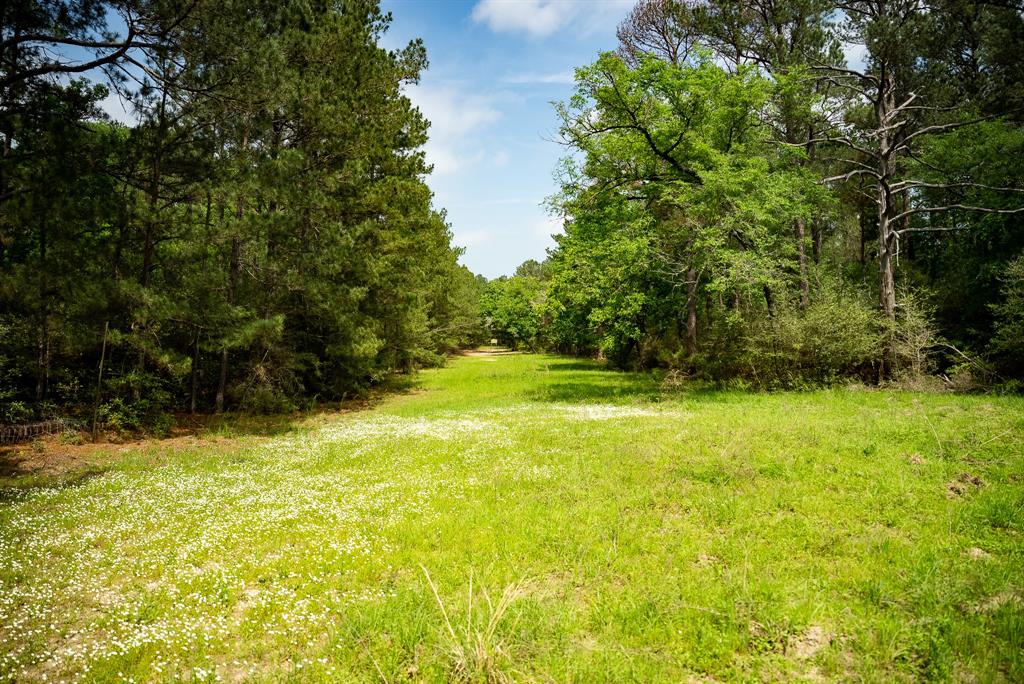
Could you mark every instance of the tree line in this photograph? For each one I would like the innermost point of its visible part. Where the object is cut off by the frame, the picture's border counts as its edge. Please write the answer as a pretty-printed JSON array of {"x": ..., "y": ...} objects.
[
  {"x": 778, "y": 192},
  {"x": 742, "y": 200},
  {"x": 263, "y": 236}
]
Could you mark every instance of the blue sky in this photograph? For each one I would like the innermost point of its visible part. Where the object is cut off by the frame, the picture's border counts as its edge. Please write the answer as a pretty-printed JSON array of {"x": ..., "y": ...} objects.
[{"x": 495, "y": 68}]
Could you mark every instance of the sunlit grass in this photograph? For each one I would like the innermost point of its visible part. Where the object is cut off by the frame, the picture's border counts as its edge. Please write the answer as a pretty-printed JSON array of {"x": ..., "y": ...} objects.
[{"x": 534, "y": 518}]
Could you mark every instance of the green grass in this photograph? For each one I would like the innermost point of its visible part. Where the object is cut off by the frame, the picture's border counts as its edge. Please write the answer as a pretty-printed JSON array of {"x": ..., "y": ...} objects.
[{"x": 536, "y": 518}]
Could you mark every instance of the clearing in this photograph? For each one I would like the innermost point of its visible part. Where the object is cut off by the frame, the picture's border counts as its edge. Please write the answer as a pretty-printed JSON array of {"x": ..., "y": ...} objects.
[{"x": 537, "y": 518}]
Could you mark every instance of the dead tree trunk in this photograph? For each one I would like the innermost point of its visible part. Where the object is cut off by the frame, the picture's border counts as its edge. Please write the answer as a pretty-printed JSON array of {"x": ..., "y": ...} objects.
[
  {"x": 99, "y": 381},
  {"x": 884, "y": 108}
]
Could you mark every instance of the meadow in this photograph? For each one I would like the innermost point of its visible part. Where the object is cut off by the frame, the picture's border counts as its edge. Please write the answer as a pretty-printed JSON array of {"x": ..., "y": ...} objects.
[{"x": 536, "y": 518}]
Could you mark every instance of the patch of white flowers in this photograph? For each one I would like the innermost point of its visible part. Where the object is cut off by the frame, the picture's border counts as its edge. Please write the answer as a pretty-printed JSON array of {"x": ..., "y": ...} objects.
[
  {"x": 582, "y": 412},
  {"x": 187, "y": 559}
]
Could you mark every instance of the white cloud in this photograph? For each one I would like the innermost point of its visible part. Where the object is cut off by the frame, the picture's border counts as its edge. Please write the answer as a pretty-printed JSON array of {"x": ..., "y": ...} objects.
[
  {"x": 546, "y": 227},
  {"x": 536, "y": 17},
  {"x": 560, "y": 77},
  {"x": 500, "y": 159},
  {"x": 118, "y": 109},
  {"x": 541, "y": 18},
  {"x": 454, "y": 118},
  {"x": 855, "y": 55},
  {"x": 471, "y": 238}
]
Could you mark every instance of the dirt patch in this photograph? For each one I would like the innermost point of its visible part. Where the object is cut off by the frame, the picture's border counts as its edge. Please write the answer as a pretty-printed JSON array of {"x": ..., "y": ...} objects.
[
  {"x": 996, "y": 602},
  {"x": 963, "y": 484},
  {"x": 705, "y": 561},
  {"x": 810, "y": 642},
  {"x": 916, "y": 459},
  {"x": 51, "y": 458},
  {"x": 69, "y": 453},
  {"x": 974, "y": 553},
  {"x": 495, "y": 351}
]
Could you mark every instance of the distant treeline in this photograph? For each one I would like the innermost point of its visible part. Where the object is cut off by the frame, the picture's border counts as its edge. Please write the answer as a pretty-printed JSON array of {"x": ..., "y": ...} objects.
[
  {"x": 745, "y": 203},
  {"x": 263, "y": 236}
]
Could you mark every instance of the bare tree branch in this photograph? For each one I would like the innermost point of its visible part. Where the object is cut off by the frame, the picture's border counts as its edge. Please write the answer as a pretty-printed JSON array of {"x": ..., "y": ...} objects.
[
  {"x": 940, "y": 128},
  {"x": 906, "y": 185},
  {"x": 850, "y": 174},
  {"x": 66, "y": 68},
  {"x": 929, "y": 229},
  {"x": 951, "y": 207},
  {"x": 75, "y": 42}
]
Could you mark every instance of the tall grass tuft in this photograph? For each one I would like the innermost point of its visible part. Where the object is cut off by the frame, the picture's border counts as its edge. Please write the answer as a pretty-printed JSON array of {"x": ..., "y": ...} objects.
[{"x": 478, "y": 652}]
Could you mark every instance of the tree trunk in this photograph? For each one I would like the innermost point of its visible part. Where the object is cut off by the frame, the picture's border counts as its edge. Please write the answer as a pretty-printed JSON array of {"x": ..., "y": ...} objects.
[
  {"x": 885, "y": 261},
  {"x": 886, "y": 207},
  {"x": 769, "y": 300},
  {"x": 149, "y": 239},
  {"x": 221, "y": 382},
  {"x": 10, "y": 96},
  {"x": 43, "y": 338},
  {"x": 99, "y": 381},
  {"x": 691, "y": 311},
  {"x": 816, "y": 240},
  {"x": 801, "y": 241},
  {"x": 863, "y": 238},
  {"x": 145, "y": 279},
  {"x": 232, "y": 285},
  {"x": 233, "y": 272},
  {"x": 43, "y": 361},
  {"x": 193, "y": 375}
]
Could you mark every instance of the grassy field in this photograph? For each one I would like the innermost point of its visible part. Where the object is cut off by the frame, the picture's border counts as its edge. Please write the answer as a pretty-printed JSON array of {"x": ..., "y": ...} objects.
[{"x": 536, "y": 518}]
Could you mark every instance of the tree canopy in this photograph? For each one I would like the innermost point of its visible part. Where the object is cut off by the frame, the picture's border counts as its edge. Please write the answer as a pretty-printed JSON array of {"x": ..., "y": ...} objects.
[
  {"x": 740, "y": 201},
  {"x": 264, "y": 235},
  {"x": 733, "y": 182}
]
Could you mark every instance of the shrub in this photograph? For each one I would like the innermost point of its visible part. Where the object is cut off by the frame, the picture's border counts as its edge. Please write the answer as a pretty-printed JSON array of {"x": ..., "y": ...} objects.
[
  {"x": 838, "y": 335},
  {"x": 911, "y": 338},
  {"x": 265, "y": 400},
  {"x": 1007, "y": 344},
  {"x": 120, "y": 416},
  {"x": 12, "y": 412}
]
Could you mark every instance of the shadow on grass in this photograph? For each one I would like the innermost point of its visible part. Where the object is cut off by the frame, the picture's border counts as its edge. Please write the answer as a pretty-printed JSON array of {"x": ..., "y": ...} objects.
[
  {"x": 68, "y": 459},
  {"x": 242, "y": 424},
  {"x": 577, "y": 365},
  {"x": 14, "y": 485},
  {"x": 585, "y": 381},
  {"x": 594, "y": 392},
  {"x": 576, "y": 382}
]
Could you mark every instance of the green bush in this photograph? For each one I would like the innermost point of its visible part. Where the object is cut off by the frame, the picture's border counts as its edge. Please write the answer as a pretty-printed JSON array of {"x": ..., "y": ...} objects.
[
  {"x": 912, "y": 339},
  {"x": 840, "y": 335},
  {"x": 265, "y": 400},
  {"x": 120, "y": 416},
  {"x": 141, "y": 403},
  {"x": 1007, "y": 344},
  {"x": 12, "y": 412}
]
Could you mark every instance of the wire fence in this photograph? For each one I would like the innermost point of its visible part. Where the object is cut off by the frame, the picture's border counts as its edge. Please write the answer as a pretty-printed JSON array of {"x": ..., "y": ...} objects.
[{"x": 12, "y": 434}]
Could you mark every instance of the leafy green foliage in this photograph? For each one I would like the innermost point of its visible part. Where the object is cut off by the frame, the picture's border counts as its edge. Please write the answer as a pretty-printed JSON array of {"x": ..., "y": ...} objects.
[
  {"x": 732, "y": 207},
  {"x": 512, "y": 309},
  {"x": 264, "y": 234},
  {"x": 1008, "y": 341}
]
